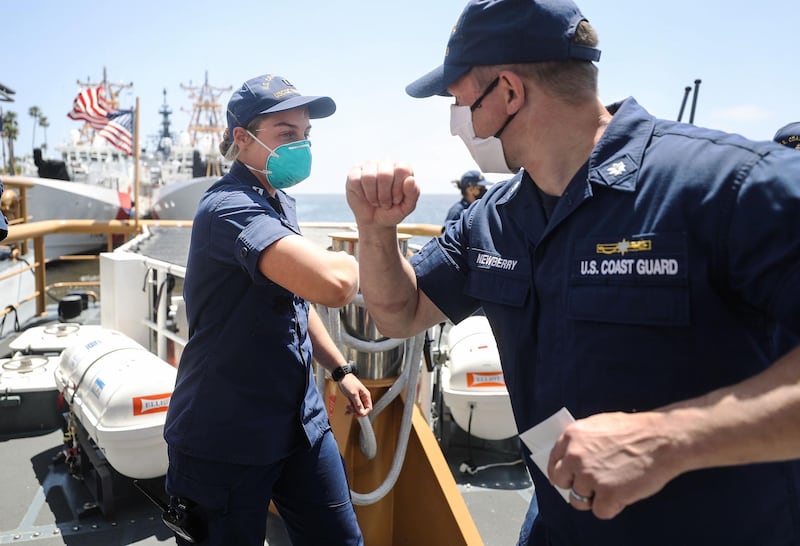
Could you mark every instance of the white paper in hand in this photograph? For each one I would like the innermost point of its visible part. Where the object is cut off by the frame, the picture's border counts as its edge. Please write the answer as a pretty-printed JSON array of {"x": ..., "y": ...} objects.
[{"x": 541, "y": 438}]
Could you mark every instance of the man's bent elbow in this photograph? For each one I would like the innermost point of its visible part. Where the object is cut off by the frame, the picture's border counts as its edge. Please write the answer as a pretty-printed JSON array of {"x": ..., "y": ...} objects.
[
  {"x": 395, "y": 331},
  {"x": 393, "y": 325}
]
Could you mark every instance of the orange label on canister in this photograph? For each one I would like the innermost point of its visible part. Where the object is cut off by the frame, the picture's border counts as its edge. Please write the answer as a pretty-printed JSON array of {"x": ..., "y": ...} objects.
[
  {"x": 485, "y": 379},
  {"x": 152, "y": 403}
]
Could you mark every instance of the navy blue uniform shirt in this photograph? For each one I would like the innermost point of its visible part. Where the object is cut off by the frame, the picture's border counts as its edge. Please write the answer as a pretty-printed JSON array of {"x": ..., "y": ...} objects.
[
  {"x": 660, "y": 276},
  {"x": 245, "y": 391},
  {"x": 455, "y": 211}
]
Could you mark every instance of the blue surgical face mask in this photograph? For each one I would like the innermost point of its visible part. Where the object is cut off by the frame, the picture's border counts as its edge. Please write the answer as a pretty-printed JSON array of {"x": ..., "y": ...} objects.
[{"x": 287, "y": 165}]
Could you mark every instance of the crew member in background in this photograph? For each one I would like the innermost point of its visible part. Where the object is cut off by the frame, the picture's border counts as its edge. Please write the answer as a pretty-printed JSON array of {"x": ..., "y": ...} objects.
[
  {"x": 472, "y": 185},
  {"x": 789, "y": 135}
]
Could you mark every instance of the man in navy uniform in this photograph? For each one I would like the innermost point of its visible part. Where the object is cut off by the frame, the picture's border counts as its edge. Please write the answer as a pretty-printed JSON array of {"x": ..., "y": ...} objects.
[{"x": 633, "y": 271}]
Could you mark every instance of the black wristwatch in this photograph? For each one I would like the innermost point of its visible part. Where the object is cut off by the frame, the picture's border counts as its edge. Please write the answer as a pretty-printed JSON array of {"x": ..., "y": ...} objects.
[{"x": 339, "y": 373}]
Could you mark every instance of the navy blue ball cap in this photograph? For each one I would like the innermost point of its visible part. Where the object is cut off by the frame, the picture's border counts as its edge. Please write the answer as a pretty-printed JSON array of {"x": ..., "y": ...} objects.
[
  {"x": 492, "y": 32},
  {"x": 789, "y": 135},
  {"x": 471, "y": 178},
  {"x": 268, "y": 94}
]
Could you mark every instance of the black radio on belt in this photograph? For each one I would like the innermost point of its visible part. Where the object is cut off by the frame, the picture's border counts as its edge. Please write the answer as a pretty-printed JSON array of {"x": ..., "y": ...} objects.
[{"x": 178, "y": 516}]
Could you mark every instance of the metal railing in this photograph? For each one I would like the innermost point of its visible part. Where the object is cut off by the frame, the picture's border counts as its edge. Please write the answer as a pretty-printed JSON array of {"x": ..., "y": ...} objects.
[
  {"x": 162, "y": 318},
  {"x": 37, "y": 231}
]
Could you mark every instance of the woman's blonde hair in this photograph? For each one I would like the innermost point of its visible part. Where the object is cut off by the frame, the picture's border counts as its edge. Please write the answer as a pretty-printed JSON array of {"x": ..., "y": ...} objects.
[{"x": 227, "y": 147}]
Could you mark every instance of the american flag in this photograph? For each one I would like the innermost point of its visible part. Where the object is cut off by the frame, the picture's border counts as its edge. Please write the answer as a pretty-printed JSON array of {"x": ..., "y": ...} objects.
[
  {"x": 90, "y": 106},
  {"x": 116, "y": 126},
  {"x": 119, "y": 130}
]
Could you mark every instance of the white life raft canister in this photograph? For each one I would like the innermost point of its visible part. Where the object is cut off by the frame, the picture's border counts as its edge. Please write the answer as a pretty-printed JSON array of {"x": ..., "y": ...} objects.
[
  {"x": 120, "y": 392},
  {"x": 473, "y": 384}
]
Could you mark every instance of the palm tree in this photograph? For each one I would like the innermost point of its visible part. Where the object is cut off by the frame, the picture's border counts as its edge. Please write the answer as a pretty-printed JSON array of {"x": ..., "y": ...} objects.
[
  {"x": 44, "y": 124},
  {"x": 34, "y": 112},
  {"x": 11, "y": 131}
]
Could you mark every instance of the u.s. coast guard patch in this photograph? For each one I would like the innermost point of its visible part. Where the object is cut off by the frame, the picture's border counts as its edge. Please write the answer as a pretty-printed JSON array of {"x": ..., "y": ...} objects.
[{"x": 656, "y": 257}]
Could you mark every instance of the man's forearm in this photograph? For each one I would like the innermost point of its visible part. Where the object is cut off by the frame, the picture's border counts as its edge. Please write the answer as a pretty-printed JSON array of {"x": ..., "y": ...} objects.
[
  {"x": 388, "y": 282},
  {"x": 753, "y": 421}
]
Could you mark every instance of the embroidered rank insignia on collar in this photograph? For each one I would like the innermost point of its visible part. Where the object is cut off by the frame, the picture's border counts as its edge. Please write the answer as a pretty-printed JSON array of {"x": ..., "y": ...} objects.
[
  {"x": 618, "y": 172},
  {"x": 616, "y": 169}
]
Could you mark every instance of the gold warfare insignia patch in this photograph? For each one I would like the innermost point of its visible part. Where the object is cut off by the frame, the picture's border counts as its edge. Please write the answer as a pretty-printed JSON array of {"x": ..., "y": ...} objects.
[{"x": 625, "y": 246}]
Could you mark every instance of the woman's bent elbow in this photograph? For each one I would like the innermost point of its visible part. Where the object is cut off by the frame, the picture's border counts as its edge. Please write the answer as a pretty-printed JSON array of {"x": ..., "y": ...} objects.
[
  {"x": 346, "y": 293},
  {"x": 340, "y": 293}
]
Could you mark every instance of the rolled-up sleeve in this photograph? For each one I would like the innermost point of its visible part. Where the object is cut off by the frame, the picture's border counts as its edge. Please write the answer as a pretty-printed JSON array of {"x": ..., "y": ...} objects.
[
  {"x": 242, "y": 229},
  {"x": 442, "y": 273}
]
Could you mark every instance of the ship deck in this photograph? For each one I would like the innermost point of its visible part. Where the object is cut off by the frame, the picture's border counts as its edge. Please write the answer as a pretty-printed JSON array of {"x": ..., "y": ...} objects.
[{"x": 41, "y": 501}]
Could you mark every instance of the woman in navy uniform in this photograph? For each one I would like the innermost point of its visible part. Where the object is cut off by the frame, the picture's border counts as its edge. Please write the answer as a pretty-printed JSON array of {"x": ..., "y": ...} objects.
[
  {"x": 789, "y": 135},
  {"x": 246, "y": 422},
  {"x": 634, "y": 271},
  {"x": 472, "y": 185}
]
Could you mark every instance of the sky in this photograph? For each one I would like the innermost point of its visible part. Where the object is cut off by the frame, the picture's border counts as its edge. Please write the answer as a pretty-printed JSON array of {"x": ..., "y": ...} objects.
[{"x": 364, "y": 53}]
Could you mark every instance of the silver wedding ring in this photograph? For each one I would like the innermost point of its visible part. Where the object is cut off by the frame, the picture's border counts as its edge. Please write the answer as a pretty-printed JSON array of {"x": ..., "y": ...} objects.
[{"x": 580, "y": 498}]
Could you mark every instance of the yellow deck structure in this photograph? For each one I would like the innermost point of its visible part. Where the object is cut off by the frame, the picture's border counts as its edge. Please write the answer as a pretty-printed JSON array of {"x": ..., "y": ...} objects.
[{"x": 425, "y": 506}]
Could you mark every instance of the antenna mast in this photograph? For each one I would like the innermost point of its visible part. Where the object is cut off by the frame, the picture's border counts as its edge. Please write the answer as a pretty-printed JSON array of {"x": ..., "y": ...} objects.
[
  {"x": 206, "y": 122},
  {"x": 165, "y": 136}
]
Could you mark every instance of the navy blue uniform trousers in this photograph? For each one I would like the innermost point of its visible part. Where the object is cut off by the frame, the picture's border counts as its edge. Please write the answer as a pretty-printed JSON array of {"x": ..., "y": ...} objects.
[{"x": 309, "y": 488}]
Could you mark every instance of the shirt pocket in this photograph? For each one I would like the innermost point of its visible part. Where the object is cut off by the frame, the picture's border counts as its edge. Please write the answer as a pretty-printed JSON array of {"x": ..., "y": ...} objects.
[
  {"x": 634, "y": 279},
  {"x": 497, "y": 279}
]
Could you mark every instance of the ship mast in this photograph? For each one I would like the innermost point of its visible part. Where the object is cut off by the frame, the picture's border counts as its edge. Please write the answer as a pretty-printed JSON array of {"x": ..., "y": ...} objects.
[
  {"x": 165, "y": 136},
  {"x": 111, "y": 93},
  {"x": 206, "y": 117},
  {"x": 207, "y": 122}
]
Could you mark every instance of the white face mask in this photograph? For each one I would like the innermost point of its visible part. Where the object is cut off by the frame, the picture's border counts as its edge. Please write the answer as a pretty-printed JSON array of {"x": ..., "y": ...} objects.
[{"x": 487, "y": 152}]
